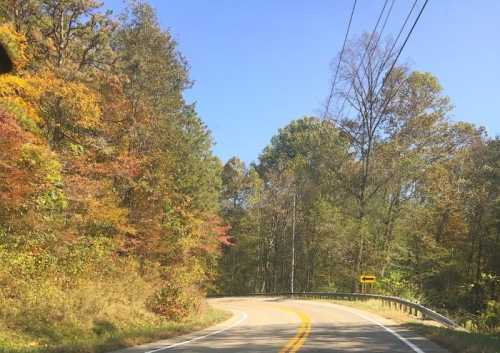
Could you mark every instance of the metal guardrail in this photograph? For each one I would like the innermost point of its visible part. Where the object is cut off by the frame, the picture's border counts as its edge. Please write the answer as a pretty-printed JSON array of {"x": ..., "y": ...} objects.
[{"x": 393, "y": 302}]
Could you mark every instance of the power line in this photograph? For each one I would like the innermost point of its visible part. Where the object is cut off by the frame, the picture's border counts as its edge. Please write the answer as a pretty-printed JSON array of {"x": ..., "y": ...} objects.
[
  {"x": 397, "y": 56},
  {"x": 383, "y": 26},
  {"x": 389, "y": 54},
  {"x": 330, "y": 96},
  {"x": 404, "y": 44},
  {"x": 400, "y": 32},
  {"x": 367, "y": 49},
  {"x": 375, "y": 45}
]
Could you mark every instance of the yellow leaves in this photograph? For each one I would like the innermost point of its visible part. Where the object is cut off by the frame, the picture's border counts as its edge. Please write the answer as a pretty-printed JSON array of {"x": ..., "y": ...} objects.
[
  {"x": 17, "y": 96},
  {"x": 95, "y": 208},
  {"x": 24, "y": 113},
  {"x": 39, "y": 158},
  {"x": 442, "y": 189},
  {"x": 104, "y": 212},
  {"x": 80, "y": 102},
  {"x": 439, "y": 181},
  {"x": 87, "y": 191},
  {"x": 15, "y": 44},
  {"x": 424, "y": 79},
  {"x": 44, "y": 163},
  {"x": 46, "y": 101},
  {"x": 44, "y": 180},
  {"x": 68, "y": 102},
  {"x": 12, "y": 85}
]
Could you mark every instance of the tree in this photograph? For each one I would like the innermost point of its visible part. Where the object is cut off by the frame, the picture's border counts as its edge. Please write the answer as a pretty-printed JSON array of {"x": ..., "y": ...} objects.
[
  {"x": 70, "y": 36},
  {"x": 106, "y": 173},
  {"x": 389, "y": 108}
]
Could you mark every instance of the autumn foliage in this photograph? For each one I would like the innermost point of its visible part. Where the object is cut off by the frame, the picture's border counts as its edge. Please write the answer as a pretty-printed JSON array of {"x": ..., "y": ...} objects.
[
  {"x": 389, "y": 186},
  {"x": 108, "y": 188}
]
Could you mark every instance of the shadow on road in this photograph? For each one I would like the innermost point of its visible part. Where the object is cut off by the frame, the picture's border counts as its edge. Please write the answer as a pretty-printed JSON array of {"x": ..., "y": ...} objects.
[{"x": 324, "y": 338}]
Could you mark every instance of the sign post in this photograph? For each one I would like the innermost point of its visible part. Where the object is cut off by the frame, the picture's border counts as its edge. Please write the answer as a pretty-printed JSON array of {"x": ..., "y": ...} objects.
[{"x": 366, "y": 279}]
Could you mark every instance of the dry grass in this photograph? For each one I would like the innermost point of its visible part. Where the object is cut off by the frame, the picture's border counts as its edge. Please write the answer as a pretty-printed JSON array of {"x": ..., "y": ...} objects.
[
  {"x": 100, "y": 307},
  {"x": 388, "y": 312},
  {"x": 107, "y": 337},
  {"x": 459, "y": 341}
]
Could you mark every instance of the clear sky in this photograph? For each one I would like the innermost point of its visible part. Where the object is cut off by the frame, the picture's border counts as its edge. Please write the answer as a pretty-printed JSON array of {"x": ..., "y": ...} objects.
[{"x": 259, "y": 64}]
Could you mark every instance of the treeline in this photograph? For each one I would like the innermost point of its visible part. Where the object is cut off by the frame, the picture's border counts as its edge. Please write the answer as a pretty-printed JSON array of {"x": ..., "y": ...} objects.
[
  {"x": 108, "y": 187},
  {"x": 387, "y": 186}
]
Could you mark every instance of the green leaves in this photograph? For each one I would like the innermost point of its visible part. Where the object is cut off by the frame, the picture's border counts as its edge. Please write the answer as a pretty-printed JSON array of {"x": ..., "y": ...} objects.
[
  {"x": 106, "y": 173},
  {"x": 404, "y": 194}
]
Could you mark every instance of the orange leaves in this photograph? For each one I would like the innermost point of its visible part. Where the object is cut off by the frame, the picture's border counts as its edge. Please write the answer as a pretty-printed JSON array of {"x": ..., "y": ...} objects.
[
  {"x": 30, "y": 180},
  {"x": 14, "y": 180},
  {"x": 174, "y": 301},
  {"x": 110, "y": 157},
  {"x": 94, "y": 207},
  {"x": 122, "y": 166},
  {"x": 219, "y": 230}
]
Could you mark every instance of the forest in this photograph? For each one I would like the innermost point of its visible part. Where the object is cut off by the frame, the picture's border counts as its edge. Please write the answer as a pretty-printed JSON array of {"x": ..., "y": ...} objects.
[
  {"x": 109, "y": 191},
  {"x": 115, "y": 213},
  {"x": 384, "y": 183}
]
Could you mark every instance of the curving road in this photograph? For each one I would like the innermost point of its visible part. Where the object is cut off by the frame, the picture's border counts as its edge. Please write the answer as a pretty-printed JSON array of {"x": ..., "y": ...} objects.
[{"x": 287, "y": 326}]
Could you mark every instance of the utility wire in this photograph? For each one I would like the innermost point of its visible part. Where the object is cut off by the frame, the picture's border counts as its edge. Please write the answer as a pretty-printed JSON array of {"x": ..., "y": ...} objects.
[
  {"x": 383, "y": 26},
  {"x": 389, "y": 54},
  {"x": 332, "y": 90},
  {"x": 404, "y": 43},
  {"x": 397, "y": 56},
  {"x": 367, "y": 49},
  {"x": 400, "y": 32}
]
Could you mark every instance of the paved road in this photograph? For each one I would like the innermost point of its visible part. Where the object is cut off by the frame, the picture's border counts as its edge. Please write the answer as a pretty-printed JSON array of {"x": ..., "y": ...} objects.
[{"x": 287, "y": 326}]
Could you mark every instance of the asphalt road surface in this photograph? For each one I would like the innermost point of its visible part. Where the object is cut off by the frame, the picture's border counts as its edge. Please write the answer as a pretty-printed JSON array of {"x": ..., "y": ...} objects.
[{"x": 286, "y": 326}]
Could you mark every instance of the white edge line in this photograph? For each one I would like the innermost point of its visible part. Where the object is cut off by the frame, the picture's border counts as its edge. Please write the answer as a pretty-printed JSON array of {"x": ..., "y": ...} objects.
[
  {"x": 397, "y": 335},
  {"x": 244, "y": 316}
]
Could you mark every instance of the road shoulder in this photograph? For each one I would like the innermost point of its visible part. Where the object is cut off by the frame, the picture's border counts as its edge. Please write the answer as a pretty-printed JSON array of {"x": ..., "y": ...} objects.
[
  {"x": 235, "y": 317},
  {"x": 415, "y": 341}
]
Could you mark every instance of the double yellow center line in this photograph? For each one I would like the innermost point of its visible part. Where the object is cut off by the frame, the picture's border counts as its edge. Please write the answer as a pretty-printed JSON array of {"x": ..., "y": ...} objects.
[{"x": 303, "y": 331}]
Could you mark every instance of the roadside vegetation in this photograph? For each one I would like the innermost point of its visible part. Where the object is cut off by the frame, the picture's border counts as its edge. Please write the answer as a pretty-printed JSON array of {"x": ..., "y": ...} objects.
[
  {"x": 105, "y": 336},
  {"x": 114, "y": 211},
  {"x": 385, "y": 183},
  {"x": 456, "y": 341},
  {"x": 109, "y": 216},
  {"x": 459, "y": 341}
]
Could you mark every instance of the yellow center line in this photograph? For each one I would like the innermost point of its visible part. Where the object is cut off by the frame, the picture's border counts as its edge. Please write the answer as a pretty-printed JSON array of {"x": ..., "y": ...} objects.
[{"x": 303, "y": 331}]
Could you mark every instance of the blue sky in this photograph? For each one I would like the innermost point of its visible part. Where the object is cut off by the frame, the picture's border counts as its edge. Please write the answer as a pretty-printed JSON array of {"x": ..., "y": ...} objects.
[{"x": 259, "y": 64}]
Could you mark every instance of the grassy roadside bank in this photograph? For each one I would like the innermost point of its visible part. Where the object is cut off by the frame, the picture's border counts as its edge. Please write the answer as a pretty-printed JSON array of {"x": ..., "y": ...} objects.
[
  {"x": 458, "y": 341},
  {"x": 453, "y": 340},
  {"x": 107, "y": 339}
]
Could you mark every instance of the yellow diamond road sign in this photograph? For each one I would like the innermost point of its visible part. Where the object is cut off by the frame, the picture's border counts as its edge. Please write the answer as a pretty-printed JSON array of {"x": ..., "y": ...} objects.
[{"x": 367, "y": 279}]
